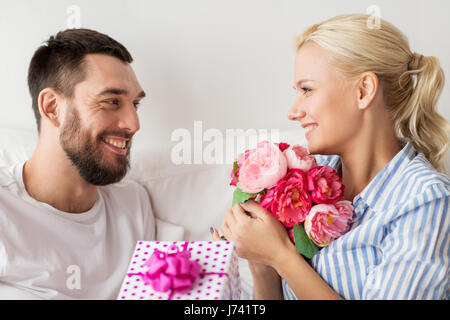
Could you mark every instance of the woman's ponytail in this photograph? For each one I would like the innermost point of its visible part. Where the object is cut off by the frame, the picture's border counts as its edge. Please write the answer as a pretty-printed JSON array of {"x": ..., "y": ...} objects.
[{"x": 417, "y": 120}]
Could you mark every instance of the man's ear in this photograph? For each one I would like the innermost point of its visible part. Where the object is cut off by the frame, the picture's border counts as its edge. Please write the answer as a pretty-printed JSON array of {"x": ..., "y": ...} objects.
[
  {"x": 366, "y": 89},
  {"x": 49, "y": 101}
]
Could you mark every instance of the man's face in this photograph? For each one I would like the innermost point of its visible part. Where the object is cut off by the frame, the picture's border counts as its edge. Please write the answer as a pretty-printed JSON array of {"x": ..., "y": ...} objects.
[{"x": 101, "y": 119}]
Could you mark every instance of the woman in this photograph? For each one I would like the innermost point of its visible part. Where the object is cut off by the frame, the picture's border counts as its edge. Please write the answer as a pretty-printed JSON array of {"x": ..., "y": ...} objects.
[{"x": 367, "y": 104}]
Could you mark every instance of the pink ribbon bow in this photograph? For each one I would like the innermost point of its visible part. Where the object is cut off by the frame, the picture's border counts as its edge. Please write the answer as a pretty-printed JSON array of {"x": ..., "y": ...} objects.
[{"x": 172, "y": 271}]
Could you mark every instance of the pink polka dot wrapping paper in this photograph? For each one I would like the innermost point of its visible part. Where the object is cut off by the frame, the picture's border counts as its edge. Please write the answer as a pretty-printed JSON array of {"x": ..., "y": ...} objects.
[{"x": 213, "y": 256}]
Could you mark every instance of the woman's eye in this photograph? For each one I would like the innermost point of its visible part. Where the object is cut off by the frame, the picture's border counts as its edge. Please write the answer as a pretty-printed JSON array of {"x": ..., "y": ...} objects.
[{"x": 306, "y": 90}]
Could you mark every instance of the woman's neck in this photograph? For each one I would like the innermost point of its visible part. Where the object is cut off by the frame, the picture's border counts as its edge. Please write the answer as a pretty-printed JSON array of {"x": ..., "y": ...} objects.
[{"x": 362, "y": 163}]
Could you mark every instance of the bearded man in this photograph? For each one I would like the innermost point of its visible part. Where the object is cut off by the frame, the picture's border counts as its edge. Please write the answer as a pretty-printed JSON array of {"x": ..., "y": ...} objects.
[{"x": 67, "y": 224}]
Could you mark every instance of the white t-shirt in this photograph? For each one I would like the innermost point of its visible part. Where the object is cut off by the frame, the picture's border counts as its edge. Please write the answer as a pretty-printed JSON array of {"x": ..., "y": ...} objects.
[{"x": 59, "y": 255}]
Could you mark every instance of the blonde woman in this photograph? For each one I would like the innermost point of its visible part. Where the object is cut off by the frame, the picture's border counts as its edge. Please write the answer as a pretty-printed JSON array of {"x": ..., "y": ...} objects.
[{"x": 368, "y": 106}]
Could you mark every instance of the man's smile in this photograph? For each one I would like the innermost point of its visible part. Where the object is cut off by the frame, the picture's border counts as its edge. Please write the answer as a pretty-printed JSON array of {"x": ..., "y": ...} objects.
[{"x": 116, "y": 144}]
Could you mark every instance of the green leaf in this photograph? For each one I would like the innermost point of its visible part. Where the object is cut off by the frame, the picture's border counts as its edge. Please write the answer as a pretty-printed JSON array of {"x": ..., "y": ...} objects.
[
  {"x": 303, "y": 243},
  {"x": 235, "y": 169},
  {"x": 239, "y": 196}
]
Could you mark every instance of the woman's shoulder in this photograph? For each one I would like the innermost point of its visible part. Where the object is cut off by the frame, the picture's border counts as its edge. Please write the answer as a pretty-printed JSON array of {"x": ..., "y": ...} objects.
[
  {"x": 421, "y": 173},
  {"x": 419, "y": 184}
]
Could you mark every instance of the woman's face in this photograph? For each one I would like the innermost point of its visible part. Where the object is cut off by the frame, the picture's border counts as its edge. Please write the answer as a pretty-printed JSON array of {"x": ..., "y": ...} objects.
[{"x": 326, "y": 102}]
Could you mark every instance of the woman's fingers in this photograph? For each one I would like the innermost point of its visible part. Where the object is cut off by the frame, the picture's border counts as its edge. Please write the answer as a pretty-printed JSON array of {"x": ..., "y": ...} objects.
[
  {"x": 226, "y": 231},
  {"x": 237, "y": 217},
  {"x": 215, "y": 234},
  {"x": 228, "y": 224},
  {"x": 254, "y": 209},
  {"x": 230, "y": 217}
]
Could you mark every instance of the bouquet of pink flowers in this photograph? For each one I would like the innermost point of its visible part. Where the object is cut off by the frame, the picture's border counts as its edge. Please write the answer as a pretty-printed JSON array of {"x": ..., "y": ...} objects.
[{"x": 307, "y": 199}]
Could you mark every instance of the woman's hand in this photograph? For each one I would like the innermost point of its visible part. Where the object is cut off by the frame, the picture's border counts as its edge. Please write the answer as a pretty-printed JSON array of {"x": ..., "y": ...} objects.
[
  {"x": 257, "y": 234},
  {"x": 262, "y": 239}
]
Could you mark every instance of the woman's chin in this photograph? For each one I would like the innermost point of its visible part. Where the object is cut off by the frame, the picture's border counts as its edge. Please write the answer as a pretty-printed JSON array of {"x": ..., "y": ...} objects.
[
  {"x": 315, "y": 147},
  {"x": 312, "y": 146},
  {"x": 312, "y": 150}
]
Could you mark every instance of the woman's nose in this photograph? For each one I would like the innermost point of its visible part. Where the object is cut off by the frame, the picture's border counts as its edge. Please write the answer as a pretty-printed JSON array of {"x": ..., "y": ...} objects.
[{"x": 295, "y": 114}]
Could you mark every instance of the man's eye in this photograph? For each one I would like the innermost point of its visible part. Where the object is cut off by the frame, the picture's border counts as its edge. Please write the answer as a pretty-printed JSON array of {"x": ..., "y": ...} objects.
[
  {"x": 136, "y": 105},
  {"x": 112, "y": 101}
]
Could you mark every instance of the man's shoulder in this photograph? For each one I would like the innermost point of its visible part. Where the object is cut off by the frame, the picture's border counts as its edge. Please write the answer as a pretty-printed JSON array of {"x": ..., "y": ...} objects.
[{"x": 7, "y": 175}]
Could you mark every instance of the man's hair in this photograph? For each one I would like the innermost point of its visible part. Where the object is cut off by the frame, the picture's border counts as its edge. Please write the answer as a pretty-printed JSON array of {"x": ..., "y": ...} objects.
[{"x": 58, "y": 63}]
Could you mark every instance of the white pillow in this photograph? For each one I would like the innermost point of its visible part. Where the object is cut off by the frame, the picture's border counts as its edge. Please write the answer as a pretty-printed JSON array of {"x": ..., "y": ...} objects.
[{"x": 16, "y": 145}]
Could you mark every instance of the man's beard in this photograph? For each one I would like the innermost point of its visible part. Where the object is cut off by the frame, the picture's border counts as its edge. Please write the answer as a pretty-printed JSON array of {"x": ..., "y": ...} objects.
[{"x": 88, "y": 156}]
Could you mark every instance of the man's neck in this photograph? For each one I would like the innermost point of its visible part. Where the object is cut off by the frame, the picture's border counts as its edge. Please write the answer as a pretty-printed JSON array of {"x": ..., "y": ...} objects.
[{"x": 50, "y": 177}]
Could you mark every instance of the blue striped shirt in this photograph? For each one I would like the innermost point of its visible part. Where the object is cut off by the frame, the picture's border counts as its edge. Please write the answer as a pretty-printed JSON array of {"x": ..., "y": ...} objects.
[{"x": 398, "y": 244}]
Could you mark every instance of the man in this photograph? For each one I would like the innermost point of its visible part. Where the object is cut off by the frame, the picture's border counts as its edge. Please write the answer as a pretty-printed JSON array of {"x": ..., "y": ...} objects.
[{"x": 67, "y": 228}]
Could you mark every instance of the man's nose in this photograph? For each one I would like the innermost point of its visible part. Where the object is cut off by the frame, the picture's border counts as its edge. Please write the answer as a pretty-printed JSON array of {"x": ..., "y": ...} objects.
[{"x": 129, "y": 119}]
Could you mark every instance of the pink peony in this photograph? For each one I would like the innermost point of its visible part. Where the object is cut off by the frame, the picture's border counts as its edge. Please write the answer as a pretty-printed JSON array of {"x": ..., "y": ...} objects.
[
  {"x": 326, "y": 222},
  {"x": 235, "y": 176},
  {"x": 283, "y": 146},
  {"x": 262, "y": 168},
  {"x": 325, "y": 185},
  {"x": 288, "y": 200},
  {"x": 240, "y": 160},
  {"x": 345, "y": 208},
  {"x": 298, "y": 158},
  {"x": 233, "y": 181}
]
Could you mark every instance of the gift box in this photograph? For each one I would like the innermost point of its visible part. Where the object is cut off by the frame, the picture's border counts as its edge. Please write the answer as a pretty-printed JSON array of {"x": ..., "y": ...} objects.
[{"x": 194, "y": 270}]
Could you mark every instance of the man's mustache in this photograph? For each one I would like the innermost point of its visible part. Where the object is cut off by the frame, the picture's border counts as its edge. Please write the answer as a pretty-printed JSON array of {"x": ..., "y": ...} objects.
[{"x": 117, "y": 133}]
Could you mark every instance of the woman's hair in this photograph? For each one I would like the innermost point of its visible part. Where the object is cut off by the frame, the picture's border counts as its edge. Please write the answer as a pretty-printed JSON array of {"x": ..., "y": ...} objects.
[{"x": 411, "y": 83}]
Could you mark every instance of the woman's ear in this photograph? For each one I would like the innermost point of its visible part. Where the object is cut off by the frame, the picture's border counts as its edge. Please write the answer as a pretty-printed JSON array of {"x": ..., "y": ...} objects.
[
  {"x": 48, "y": 101},
  {"x": 366, "y": 89}
]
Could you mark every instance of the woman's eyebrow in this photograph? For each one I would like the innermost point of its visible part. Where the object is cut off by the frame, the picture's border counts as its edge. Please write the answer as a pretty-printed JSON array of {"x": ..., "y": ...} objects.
[
  {"x": 141, "y": 94},
  {"x": 298, "y": 84}
]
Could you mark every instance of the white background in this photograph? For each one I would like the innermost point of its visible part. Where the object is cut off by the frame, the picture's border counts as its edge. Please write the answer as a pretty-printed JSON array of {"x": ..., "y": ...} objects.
[{"x": 228, "y": 63}]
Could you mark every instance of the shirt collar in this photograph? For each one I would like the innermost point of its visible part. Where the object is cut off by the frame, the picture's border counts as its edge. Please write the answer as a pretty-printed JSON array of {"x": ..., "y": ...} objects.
[{"x": 386, "y": 179}]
